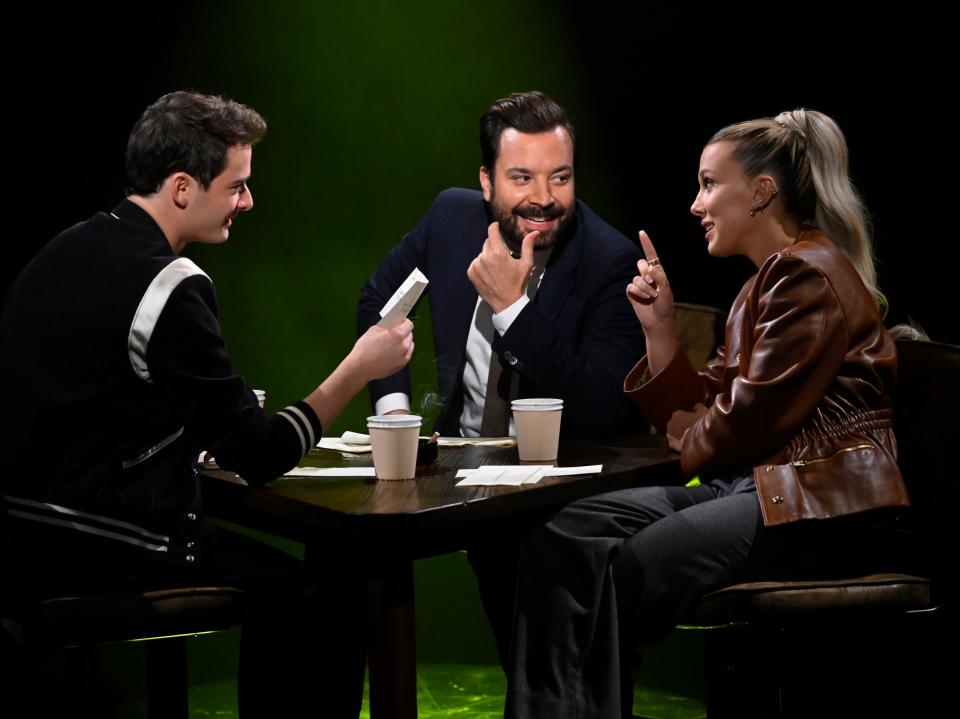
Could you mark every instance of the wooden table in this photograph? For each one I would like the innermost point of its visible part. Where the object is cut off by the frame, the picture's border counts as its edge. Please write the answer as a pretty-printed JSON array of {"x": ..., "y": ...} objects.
[{"x": 388, "y": 524}]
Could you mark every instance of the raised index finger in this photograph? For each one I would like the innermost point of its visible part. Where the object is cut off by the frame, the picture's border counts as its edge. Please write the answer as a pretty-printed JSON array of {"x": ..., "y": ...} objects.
[{"x": 649, "y": 251}]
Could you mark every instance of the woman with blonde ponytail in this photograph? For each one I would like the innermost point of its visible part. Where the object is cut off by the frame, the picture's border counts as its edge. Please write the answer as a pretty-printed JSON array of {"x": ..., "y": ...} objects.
[
  {"x": 809, "y": 149},
  {"x": 788, "y": 428}
]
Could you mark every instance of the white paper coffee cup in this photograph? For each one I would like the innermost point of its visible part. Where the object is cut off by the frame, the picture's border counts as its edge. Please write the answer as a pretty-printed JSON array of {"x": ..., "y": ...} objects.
[
  {"x": 261, "y": 396},
  {"x": 538, "y": 427},
  {"x": 394, "y": 438}
]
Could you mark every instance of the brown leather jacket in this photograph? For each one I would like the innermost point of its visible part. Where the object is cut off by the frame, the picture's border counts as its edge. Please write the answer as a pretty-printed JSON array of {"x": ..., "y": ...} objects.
[{"x": 801, "y": 390}]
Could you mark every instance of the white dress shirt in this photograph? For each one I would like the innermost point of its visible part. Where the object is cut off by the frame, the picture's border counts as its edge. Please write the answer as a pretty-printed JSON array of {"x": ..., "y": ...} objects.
[{"x": 478, "y": 351}]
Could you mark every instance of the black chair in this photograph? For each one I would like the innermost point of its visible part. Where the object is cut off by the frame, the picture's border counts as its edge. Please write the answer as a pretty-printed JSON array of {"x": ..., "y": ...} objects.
[
  {"x": 163, "y": 619},
  {"x": 862, "y": 646}
]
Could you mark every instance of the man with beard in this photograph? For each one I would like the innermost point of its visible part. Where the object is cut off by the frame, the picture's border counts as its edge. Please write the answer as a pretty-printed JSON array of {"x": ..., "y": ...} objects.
[{"x": 526, "y": 286}]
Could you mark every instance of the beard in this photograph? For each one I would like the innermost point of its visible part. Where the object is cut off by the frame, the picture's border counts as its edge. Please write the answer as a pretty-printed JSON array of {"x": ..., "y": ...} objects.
[{"x": 513, "y": 233}]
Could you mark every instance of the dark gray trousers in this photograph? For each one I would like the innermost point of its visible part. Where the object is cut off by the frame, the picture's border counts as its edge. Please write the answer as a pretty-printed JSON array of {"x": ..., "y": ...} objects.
[{"x": 613, "y": 571}]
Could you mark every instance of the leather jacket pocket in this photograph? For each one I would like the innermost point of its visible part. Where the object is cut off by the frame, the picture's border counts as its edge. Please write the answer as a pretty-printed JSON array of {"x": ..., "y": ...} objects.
[{"x": 852, "y": 479}]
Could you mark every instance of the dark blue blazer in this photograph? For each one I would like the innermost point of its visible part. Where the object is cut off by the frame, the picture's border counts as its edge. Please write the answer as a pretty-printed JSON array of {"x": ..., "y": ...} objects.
[{"x": 576, "y": 340}]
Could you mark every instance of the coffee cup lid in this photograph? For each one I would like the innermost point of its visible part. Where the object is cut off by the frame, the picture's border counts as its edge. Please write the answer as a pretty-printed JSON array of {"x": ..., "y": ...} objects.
[
  {"x": 537, "y": 404},
  {"x": 394, "y": 421},
  {"x": 261, "y": 394}
]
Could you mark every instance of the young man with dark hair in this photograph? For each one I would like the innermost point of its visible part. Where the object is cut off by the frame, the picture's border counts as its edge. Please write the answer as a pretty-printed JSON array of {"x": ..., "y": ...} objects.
[{"x": 122, "y": 378}]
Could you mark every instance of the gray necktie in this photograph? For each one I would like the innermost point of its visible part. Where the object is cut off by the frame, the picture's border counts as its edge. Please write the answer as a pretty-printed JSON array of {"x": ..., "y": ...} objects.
[
  {"x": 495, "y": 421},
  {"x": 496, "y": 402}
]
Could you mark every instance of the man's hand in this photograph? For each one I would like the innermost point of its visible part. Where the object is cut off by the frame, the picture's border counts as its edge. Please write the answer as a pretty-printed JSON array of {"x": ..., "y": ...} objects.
[
  {"x": 380, "y": 352},
  {"x": 680, "y": 422},
  {"x": 498, "y": 278}
]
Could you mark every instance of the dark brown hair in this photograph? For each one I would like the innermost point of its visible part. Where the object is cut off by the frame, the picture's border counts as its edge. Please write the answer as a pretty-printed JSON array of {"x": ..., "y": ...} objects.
[
  {"x": 530, "y": 112},
  {"x": 186, "y": 131}
]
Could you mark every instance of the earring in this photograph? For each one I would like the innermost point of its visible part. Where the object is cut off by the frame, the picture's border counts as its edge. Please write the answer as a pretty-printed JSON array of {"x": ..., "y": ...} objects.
[{"x": 761, "y": 206}]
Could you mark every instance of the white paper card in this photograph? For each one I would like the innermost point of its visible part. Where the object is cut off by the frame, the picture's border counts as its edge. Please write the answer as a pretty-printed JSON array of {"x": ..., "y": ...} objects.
[
  {"x": 403, "y": 300},
  {"x": 477, "y": 441},
  {"x": 331, "y": 472},
  {"x": 493, "y": 475},
  {"x": 569, "y": 471},
  {"x": 501, "y": 475},
  {"x": 338, "y": 445}
]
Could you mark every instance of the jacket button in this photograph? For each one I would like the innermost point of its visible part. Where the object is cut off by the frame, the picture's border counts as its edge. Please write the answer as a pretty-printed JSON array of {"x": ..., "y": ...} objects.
[
  {"x": 513, "y": 361},
  {"x": 190, "y": 558},
  {"x": 778, "y": 499},
  {"x": 191, "y": 516},
  {"x": 508, "y": 356},
  {"x": 190, "y": 545}
]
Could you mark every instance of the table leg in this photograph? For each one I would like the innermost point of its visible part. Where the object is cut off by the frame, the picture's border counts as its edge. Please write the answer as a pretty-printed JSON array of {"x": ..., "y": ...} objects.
[{"x": 391, "y": 641}]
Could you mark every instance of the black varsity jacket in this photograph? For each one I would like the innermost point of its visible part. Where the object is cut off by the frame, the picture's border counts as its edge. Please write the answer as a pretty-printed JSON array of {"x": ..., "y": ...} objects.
[{"x": 116, "y": 377}]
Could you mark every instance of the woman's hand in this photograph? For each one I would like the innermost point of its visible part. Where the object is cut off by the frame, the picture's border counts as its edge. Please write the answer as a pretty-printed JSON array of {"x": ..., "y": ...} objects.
[
  {"x": 680, "y": 422},
  {"x": 652, "y": 300},
  {"x": 649, "y": 292}
]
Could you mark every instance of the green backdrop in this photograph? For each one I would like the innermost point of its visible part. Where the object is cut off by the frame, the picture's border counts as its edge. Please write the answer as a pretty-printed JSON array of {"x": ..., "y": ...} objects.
[{"x": 372, "y": 110}]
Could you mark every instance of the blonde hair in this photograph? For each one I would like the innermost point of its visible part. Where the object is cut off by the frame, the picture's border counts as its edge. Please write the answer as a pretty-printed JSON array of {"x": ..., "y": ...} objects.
[{"x": 806, "y": 153}]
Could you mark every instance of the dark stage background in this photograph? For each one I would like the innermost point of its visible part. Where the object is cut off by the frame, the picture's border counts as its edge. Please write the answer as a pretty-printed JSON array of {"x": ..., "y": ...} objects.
[{"x": 372, "y": 110}]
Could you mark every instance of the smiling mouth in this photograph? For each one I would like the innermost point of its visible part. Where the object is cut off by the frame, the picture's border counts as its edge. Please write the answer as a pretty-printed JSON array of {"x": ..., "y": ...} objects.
[
  {"x": 709, "y": 228},
  {"x": 538, "y": 223},
  {"x": 543, "y": 221}
]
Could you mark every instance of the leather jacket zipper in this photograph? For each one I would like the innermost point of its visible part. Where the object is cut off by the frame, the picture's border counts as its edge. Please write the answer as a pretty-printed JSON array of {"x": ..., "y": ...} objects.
[{"x": 805, "y": 462}]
